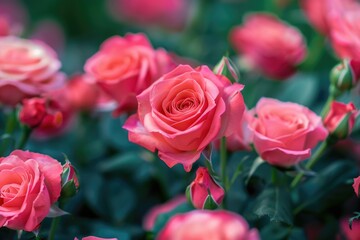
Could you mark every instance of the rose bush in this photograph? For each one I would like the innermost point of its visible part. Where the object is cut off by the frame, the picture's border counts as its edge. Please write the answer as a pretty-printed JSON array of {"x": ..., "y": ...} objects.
[
  {"x": 182, "y": 112},
  {"x": 30, "y": 183}
]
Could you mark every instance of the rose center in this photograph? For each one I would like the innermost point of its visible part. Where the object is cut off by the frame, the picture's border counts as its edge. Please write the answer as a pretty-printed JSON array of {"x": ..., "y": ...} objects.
[{"x": 8, "y": 192}]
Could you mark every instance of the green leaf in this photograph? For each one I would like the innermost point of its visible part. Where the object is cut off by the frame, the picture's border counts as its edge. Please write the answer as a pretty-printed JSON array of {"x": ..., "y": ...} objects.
[
  {"x": 162, "y": 219},
  {"x": 275, "y": 203},
  {"x": 256, "y": 164}
]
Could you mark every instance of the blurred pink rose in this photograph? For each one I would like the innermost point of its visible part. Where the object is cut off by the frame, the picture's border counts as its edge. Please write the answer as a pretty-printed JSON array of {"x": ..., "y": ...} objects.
[
  {"x": 95, "y": 238},
  {"x": 316, "y": 11},
  {"x": 170, "y": 14},
  {"x": 125, "y": 66},
  {"x": 4, "y": 26},
  {"x": 350, "y": 234},
  {"x": 33, "y": 112},
  {"x": 14, "y": 14},
  {"x": 151, "y": 216},
  {"x": 27, "y": 68},
  {"x": 30, "y": 184},
  {"x": 343, "y": 19},
  {"x": 203, "y": 187},
  {"x": 182, "y": 112},
  {"x": 207, "y": 225},
  {"x": 284, "y": 132},
  {"x": 340, "y": 119},
  {"x": 51, "y": 33},
  {"x": 269, "y": 45}
]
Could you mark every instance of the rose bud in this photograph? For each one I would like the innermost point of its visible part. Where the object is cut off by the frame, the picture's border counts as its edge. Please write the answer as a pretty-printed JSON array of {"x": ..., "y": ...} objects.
[
  {"x": 205, "y": 224},
  {"x": 30, "y": 184},
  {"x": 228, "y": 69},
  {"x": 151, "y": 216},
  {"x": 33, "y": 112},
  {"x": 283, "y": 132},
  {"x": 345, "y": 75},
  {"x": 69, "y": 181},
  {"x": 356, "y": 186},
  {"x": 204, "y": 192},
  {"x": 340, "y": 119},
  {"x": 269, "y": 45},
  {"x": 28, "y": 68}
]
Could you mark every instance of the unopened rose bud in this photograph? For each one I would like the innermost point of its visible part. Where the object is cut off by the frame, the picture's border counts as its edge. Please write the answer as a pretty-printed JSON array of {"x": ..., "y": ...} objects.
[
  {"x": 345, "y": 75},
  {"x": 340, "y": 119},
  {"x": 33, "y": 112},
  {"x": 69, "y": 181},
  {"x": 228, "y": 69},
  {"x": 204, "y": 192}
]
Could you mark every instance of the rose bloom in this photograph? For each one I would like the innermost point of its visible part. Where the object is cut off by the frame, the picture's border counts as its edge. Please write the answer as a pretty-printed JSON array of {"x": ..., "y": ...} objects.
[
  {"x": 95, "y": 238},
  {"x": 283, "y": 132},
  {"x": 242, "y": 137},
  {"x": 343, "y": 19},
  {"x": 27, "y": 68},
  {"x": 30, "y": 183},
  {"x": 125, "y": 66},
  {"x": 203, "y": 187},
  {"x": 340, "y": 119},
  {"x": 207, "y": 225},
  {"x": 4, "y": 26},
  {"x": 316, "y": 11},
  {"x": 170, "y": 14},
  {"x": 151, "y": 216},
  {"x": 182, "y": 112},
  {"x": 269, "y": 45}
]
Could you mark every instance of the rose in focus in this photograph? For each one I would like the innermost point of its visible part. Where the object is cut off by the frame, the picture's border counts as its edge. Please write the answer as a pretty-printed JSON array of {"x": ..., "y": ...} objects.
[
  {"x": 27, "y": 68},
  {"x": 30, "y": 184},
  {"x": 283, "y": 132},
  {"x": 184, "y": 111},
  {"x": 125, "y": 66},
  {"x": 269, "y": 45},
  {"x": 205, "y": 225}
]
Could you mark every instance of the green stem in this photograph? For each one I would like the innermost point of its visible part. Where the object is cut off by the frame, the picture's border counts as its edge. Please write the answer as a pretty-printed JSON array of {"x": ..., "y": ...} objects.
[
  {"x": 273, "y": 176},
  {"x": 313, "y": 160},
  {"x": 26, "y": 132},
  {"x": 54, "y": 224},
  {"x": 10, "y": 126},
  {"x": 223, "y": 163}
]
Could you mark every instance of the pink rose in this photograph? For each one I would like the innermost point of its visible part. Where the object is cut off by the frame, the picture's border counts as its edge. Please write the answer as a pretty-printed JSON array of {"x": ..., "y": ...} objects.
[
  {"x": 4, "y": 26},
  {"x": 204, "y": 187},
  {"x": 30, "y": 184},
  {"x": 344, "y": 18},
  {"x": 350, "y": 234},
  {"x": 356, "y": 185},
  {"x": 340, "y": 119},
  {"x": 316, "y": 11},
  {"x": 269, "y": 45},
  {"x": 95, "y": 238},
  {"x": 125, "y": 66},
  {"x": 32, "y": 112},
  {"x": 182, "y": 112},
  {"x": 284, "y": 133},
  {"x": 151, "y": 216},
  {"x": 242, "y": 137},
  {"x": 170, "y": 14},
  {"x": 204, "y": 225},
  {"x": 27, "y": 68}
]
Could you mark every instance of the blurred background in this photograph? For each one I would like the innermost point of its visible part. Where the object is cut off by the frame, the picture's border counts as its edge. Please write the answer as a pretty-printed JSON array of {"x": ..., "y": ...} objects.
[{"x": 120, "y": 182}]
